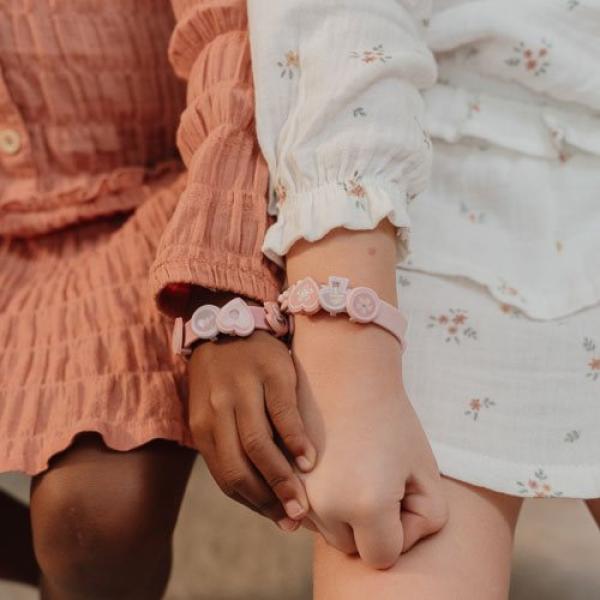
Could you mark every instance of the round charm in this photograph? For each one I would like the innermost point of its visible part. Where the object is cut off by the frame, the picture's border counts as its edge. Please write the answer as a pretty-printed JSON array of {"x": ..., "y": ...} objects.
[
  {"x": 333, "y": 296},
  {"x": 276, "y": 319},
  {"x": 304, "y": 297},
  {"x": 362, "y": 305},
  {"x": 204, "y": 322},
  {"x": 235, "y": 318}
]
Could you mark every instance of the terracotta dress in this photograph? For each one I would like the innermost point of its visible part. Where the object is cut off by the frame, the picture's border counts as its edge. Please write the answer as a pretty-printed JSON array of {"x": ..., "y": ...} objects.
[{"x": 98, "y": 214}]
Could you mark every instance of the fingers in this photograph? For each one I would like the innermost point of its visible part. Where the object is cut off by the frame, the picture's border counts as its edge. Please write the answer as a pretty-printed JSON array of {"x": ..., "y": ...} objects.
[
  {"x": 234, "y": 473},
  {"x": 379, "y": 537},
  {"x": 424, "y": 512},
  {"x": 336, "y": 533},
  {"x": 258, "y": 444},
  {"x": 282, "y": 406}
]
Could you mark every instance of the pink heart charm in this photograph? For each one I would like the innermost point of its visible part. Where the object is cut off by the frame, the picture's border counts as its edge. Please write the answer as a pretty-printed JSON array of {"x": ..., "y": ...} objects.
[
  {"x": 362, "y": 305},
  {"x": 204, "y": 322},
  {"x": 333, "y": 296},
  {"x": 235, "y": 318},
  {"x": 304, "y": 297},
  {"x": 276, "y": 320}
]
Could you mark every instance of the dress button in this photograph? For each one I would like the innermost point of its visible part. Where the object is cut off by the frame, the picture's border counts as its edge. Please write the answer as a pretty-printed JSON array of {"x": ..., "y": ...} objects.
[{"x": 10, "y": 141}]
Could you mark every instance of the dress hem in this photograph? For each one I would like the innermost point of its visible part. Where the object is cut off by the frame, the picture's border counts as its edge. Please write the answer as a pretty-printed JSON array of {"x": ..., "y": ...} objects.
[
  {"x": 518, "y": 479},
  {"x": 116, "y": 437}
]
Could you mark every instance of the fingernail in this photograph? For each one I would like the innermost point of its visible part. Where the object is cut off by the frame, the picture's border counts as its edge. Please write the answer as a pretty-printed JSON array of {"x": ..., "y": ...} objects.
[
  {"x": 293, "y": 509},
  {"x": 287, "y": 525},
  {"x": 304, "y": 464}
]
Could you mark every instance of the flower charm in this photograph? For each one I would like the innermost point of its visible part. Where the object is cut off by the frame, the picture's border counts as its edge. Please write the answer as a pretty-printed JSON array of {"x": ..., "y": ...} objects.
[
  {"x": 304, "y": 297},
  {"x": 363, "y": 305}
]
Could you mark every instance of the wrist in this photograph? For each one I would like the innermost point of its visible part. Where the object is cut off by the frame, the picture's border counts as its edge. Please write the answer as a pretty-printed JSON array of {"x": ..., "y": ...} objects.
[{"x": 366, "y": 258}]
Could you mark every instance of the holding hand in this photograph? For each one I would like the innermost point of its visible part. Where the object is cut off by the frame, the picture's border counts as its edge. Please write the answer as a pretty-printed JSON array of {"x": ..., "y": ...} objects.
[
  {"x": 376, "y": 489},
  {"x": 243, "y": 399}
]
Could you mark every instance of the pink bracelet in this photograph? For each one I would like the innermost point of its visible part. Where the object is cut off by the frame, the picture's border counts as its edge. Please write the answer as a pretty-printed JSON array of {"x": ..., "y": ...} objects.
[
  {"x": 361, "y": 304},
  {"x": 236, "y": 318}
]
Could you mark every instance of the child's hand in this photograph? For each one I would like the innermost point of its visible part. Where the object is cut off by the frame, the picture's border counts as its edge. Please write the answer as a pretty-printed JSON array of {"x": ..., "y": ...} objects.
[
  {"x": 242, "y": 395},
  {"x": 376, "y": 487}
]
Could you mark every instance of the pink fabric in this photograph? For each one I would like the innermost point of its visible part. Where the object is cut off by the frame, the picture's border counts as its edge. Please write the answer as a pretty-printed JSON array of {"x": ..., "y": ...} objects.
[{"x": 95, "y": 199}]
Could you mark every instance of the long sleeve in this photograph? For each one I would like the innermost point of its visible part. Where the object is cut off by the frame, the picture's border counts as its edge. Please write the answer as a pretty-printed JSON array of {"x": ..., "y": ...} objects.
[
  {"x": 214, "y": 237},
  {"x": 340, "y": 116}
]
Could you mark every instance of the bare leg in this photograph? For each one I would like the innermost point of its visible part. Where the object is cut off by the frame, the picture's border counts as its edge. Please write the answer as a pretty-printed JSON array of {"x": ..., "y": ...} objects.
[
  {"x": 594, "y": 508},
  {"x": 103, "y": 520},
  {"x": 17, "y": 560},
  {"x": 468, "y": 560}
]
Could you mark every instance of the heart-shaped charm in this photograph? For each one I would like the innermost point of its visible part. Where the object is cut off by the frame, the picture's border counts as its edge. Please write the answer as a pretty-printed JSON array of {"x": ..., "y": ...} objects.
[
  {"x": 276, "y": 319},
  {"x": 362, "y": 305},
  {"x": 304, "y": 297},
  {"x": 204, "y": 322},
  {"x": 333, "y": 296},
  {"x": 235, "y": 318}
]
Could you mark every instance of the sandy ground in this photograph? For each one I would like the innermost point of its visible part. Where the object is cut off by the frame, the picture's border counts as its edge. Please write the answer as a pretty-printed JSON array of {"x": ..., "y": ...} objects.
[{"x": 223, "y": 552}]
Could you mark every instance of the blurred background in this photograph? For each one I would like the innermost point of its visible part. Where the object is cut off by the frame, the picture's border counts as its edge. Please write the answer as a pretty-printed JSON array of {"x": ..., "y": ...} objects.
[{"x": 224, "y": 552}]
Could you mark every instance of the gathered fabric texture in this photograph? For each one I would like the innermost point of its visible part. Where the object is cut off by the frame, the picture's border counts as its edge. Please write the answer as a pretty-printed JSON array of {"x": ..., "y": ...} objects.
[
  {"x": 99, "y": 214},
  {"x": 505, "y": 96}
]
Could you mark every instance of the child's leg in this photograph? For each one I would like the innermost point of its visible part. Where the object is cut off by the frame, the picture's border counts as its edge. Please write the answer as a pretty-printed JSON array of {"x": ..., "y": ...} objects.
[
  {"x": 594, "y": 508},
  {"x": 468, "y": 560},
  {"x": 17, "y": 560},
  {"x": 103, "y": 520}
]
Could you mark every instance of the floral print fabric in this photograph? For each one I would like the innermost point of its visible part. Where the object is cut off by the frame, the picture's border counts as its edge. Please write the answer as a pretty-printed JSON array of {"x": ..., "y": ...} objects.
[
  {"x": 502, "y": 284},
  {"x": 348, "y": 118},
  {"x": 514, "y": 406}
]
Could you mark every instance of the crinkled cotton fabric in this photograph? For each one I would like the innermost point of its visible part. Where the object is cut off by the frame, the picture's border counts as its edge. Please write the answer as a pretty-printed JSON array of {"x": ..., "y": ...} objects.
[
  {"x": 98, "y": 216},
  {"x": 502, "y": 281},
  {"x": 508, "y": 403},
  {"x": 513, "y": 117}
]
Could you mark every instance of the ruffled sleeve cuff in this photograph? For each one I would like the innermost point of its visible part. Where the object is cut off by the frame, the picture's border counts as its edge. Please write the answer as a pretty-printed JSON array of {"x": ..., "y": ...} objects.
[{"x": 355, "y": 204}]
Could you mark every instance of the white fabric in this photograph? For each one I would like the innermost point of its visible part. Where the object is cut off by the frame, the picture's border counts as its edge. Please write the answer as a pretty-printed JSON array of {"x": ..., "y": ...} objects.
[
  {"x": 507, "y": 402},
  {"x": 502, "y": 285},
  {"x": 514, "y": 201}
]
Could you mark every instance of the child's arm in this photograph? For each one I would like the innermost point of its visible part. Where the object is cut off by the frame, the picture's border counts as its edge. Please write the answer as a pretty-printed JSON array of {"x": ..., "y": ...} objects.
[
  {"x": 340, "y": 121},
  {"x": 241, "y": 391},
  {"x": 376, "y": 488}
]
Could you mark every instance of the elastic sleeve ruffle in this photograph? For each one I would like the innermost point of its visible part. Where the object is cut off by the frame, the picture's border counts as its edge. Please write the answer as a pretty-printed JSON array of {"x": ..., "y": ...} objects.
[{"x": 339, "y": 113}]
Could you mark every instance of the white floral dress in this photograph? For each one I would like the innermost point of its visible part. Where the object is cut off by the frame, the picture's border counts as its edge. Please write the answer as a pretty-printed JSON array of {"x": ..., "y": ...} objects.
[{"x": 475, "y": 126}]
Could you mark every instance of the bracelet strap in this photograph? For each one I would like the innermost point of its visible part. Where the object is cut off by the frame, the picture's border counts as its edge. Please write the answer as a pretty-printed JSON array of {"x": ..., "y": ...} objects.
[
  {"x": 361, "y": 304},
  {"x": 236, "y": 318}
]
